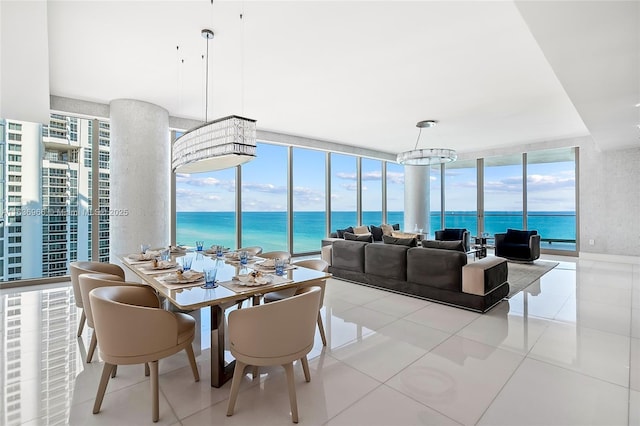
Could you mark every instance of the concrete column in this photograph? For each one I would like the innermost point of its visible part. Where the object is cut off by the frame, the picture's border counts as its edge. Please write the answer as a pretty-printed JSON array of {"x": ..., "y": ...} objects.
[
  {"x": 140, "y": 173},
  {"x": 416, "y": 198}
]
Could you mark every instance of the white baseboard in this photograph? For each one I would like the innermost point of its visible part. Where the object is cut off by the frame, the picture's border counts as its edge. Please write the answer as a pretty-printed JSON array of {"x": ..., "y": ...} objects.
[{"x": 615, "y": 258}]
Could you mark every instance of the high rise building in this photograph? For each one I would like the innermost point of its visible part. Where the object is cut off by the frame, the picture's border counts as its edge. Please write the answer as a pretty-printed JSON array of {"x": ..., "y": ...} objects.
[{"x": 47, "y": 195}]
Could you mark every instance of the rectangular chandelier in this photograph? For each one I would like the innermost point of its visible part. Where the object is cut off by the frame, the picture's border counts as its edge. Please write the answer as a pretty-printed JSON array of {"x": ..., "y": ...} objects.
[{"x": 216, "y": 145}]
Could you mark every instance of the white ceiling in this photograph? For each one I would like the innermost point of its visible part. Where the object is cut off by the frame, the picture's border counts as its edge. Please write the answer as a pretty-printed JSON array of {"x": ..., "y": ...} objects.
[{"x": 494, "y": 73}]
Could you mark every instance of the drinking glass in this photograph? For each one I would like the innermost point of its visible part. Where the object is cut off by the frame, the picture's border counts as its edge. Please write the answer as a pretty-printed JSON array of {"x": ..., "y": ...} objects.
[
  {"x": 165, "y": 254},
  {"x": 279, "y": 264},
  {"x": 210, "y": 277},
  {"x": 144, "y": 247},
  {"x": 186, "y": 262},
  {"x": 199, "y": 245},
  {"x": 219, "y": 251},
  {"x": 244, "y": 257}
]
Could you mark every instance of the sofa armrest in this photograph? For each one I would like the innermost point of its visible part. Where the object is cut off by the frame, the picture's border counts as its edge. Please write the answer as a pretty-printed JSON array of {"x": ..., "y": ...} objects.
[
  {"x": 484, "y": 276},
  {"x": 534, "y": 246}
]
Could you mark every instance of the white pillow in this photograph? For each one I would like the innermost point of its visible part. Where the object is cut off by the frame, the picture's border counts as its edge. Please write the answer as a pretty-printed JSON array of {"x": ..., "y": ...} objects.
[{"x": 359, "y": 230}]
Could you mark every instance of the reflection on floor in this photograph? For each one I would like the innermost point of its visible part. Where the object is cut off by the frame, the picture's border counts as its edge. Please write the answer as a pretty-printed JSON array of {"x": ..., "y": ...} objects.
[{"x": 565, "y": 351}]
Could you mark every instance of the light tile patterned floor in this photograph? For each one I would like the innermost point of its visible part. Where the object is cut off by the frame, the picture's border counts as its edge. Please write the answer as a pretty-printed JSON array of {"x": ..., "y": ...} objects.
[{"x": 566, "y": 351}]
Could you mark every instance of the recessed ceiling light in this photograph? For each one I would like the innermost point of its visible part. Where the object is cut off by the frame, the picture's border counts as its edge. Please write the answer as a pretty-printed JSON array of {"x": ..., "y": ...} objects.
[{"x": 638, "y": 105}]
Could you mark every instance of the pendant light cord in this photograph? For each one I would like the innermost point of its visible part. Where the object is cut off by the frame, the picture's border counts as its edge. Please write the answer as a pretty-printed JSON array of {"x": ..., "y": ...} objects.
[
  {"x": 417, "y": 140},
  {"x": 206, "y": 90}
]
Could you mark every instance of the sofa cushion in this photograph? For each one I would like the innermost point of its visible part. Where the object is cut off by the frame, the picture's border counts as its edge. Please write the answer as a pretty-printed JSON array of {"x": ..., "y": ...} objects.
[
  {"x": 386, "y": 229},
  {"x": 358, "y": 237},
  {"x": 388, "y": 261},
  {"x": 516, "y": 251},
  {"x": 348, "y": 255},
  {"x": 359, "y": 230},
  {"x": 444, "y": 245},
  {"x": 515, "y": 236},
  {"x": 340, "y": 232},
  {"x": 436, "y": 268},
  {"x": 409, "y": 242},
  {"x": 376, "y": 232}
]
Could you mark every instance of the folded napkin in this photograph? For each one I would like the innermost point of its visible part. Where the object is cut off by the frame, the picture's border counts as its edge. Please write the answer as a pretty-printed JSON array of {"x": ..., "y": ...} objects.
[{"x": 148, "y": 255}]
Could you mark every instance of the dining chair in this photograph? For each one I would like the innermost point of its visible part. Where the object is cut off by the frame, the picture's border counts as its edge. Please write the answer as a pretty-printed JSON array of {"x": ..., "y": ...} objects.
[
  {"x": 87, "y": 267},
  {"x": 318, "y": 265},
  {"x": 276, "y": 333},
  {"x": 132, "y": 329},
  {"x": 253, "y": 250},
  {"x": 276, "y": 255},
  {"x": 88, "y": 282}
]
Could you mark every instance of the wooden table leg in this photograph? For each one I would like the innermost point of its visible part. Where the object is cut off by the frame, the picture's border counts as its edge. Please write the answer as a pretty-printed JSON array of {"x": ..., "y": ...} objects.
[{"x": 220, "y": 372}]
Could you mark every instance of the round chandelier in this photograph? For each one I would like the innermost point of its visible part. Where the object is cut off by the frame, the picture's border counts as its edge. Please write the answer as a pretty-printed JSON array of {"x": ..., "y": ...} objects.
[{"x": 427, "y": 156}]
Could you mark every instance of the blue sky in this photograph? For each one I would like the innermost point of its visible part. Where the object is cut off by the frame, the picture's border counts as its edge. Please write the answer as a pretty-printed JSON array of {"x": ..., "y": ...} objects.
[{"x": 551, "y": 186}]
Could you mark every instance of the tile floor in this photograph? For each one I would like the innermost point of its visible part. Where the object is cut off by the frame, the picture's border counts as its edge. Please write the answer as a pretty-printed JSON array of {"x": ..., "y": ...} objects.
[{"x": 566, "y": 351}]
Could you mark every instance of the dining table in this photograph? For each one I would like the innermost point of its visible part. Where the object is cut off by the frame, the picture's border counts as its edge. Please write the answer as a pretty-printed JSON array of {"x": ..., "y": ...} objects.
[{"x": 188, "y": 295}]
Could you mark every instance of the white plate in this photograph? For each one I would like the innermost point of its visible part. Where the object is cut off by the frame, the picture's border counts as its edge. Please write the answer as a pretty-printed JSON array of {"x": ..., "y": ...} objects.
[
  {"x": 250, "y": 281},
  {"x": 137, "y": 257},
  {"x": 186, "y": 277},
  {"x": 163, "y": 264}
]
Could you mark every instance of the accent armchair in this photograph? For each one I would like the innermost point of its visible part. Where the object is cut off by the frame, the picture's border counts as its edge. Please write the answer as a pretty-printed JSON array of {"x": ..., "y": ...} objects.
[
  {"x": 522, "y": 246},
  {"x": 454, "y": 234}
]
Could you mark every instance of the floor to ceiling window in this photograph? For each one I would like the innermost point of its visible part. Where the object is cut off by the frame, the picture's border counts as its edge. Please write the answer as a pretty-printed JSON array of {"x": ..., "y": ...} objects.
[
  {"x": 264, "y": 198},
  {"x": 435, "y": 200},
  {"x": 206, "y": 208},
  {"x": 503, "y": 193},
  {"x": 309, "y": 191},
  {"x": 395, "y": 193},
  {"x": 344, "y": 191},
  {"x": 551, "y": 197},
  {"x": 371, "y": 191},
  {"x": 461, "y": 194}
]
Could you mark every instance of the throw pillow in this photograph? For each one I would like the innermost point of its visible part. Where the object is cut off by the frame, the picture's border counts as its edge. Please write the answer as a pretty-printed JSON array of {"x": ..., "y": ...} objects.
[
  {"x": 399, "y": 234},
  {"x": 376, "y": 233},
  {"x": 359, "y": 230},
  {"x": 358, "y": 237},
  {"x": 409, "y": 242},
  {"x": 386, "y": 229},
  {"x": 341, "y": 232},
  {"x": 396, "y": 227},
  {"x": 443, "y": 245}
]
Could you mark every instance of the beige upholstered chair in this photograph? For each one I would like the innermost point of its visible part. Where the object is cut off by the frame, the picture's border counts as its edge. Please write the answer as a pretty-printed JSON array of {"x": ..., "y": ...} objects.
[
  {"x": 88, "y": 282},
  {"x": 87, "y": 267},
  {"x": 276, "y": 255},
  {"x": 318, "y": 265},
  {"x": 133, "y": 330},
  {"x": 276, "y": 333},
  {"x": 253, "y": 250}
]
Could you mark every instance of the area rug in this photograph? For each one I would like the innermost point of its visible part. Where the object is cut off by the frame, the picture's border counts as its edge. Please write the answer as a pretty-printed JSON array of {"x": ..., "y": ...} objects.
[{"x": 522, "y": 275}]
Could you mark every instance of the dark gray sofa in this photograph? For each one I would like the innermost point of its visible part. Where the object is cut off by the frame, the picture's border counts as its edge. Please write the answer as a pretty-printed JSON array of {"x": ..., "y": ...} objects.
[{"x": 429, "y": 273}]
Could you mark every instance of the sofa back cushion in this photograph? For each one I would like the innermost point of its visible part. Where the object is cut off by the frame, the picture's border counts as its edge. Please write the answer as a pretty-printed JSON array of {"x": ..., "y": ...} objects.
[
  {"x": 348, "y": 255},
  {"x": 340, "y": 232},
  {"x": 409, "y": 242},
  {"x": 388, "y": 261},
  {"x": 515, "y": 236},
  {"x": 358, "y": 237},
  {"x": 444, "y": 245},
  {"x": 436, "y": 268}
]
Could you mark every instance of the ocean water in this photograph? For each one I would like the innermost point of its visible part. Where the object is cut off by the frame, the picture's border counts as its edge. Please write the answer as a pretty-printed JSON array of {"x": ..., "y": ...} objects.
[{"x": 269, "y": 229}]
